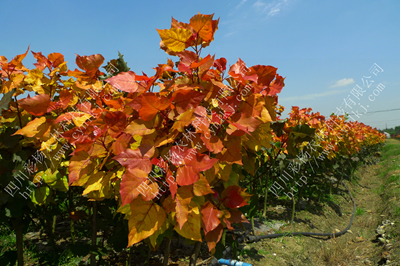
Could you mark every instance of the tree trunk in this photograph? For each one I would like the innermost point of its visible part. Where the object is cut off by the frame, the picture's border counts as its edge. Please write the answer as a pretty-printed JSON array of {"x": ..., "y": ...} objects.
[
  {"x": 94, "y": 233},
  {"x": 294, "y": 209},
  {"x": 17, "y": 224},
  {"x": 167, "y": 250},
  {"x": 195, "y": 254},
  {"x": 266, "y": 197}
]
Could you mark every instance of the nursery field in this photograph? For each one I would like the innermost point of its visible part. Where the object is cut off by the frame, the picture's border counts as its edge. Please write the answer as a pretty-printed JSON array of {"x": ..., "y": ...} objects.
[
  {"x": 375, "y": 188},
  {"x": 185, "y": 167}
]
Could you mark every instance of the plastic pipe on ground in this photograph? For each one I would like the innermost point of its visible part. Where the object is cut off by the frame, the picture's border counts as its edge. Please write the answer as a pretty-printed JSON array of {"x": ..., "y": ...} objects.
[{"x": 233, "y": 262}]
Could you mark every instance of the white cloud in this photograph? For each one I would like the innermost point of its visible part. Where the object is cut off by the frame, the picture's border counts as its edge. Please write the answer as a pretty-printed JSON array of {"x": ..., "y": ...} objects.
[
  {"x": 312, "y": 96},
  {"x": 274, "y": 12},
  {"x": 343, "y": 82},
  {"x": 258, "y": 4},
  {"x": 272, "y": 8},
  {"x": 229, "y": 34},
  {"x": 241, "y": 3}
]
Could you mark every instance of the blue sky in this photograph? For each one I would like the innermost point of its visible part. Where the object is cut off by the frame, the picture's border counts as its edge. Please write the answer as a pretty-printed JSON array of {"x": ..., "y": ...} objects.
[{"x": 323, "y": 48}]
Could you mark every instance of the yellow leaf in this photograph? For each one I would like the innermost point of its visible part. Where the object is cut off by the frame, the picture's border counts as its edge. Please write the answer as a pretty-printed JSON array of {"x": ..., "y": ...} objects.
[
  {"x": 191, "y": 229},
  {"x": 14, "y": 82},
  {"x": 37, "y": 127},
  {"x": 97, "y": 181},
  {"x": 33, "y": 75},
  {"x": 147, "y": 217},
  {"x": 259, "y": 138},
  {"x": 175, "y": 39},
  {"x": 153, "y": 238},
  {"x": 78, "y": 121},
  {"x": 224, "y": 171}
]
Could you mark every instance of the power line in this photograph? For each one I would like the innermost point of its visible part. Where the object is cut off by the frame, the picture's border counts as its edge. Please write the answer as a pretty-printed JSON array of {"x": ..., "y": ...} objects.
[
  {"x": 381, "y": 111},
  {"x": 384, "y": 121}
]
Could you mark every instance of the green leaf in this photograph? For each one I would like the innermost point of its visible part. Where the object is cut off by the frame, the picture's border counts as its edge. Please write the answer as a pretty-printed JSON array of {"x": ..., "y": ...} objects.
[
  {"x": 5, "y": 101},
  {"x": 40, "y": 195}
]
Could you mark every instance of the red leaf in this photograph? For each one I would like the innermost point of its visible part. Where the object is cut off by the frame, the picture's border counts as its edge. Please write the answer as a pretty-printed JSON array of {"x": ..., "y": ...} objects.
[
  {"x": 276, "y": 86},
  {"x": 220, "y": 64},
  {"x": 134, "y": 159},
  {"x": 90, "y": 64},
  {"x": 237, "y": 217},
  {"x": 173, "y": 187},
  {"x": 265, "y": 74},
  {"x": 42, "y": 61},
  {"x": 210, "y": 217},
  {"x": 187, "y": 98},
  {"x": 124, "y": 81},
  {"x": 240, "y": 72},
  {"x": 232, "y": 197},
  {"x": 232, "y": 153},
  {"x": 36, "y": 105},
  {"x": 135, "y": 182},
  {"x": 116, "y": 122},
  {"x": 243, "y": 122},
  {"x": 190, "y": 163},
  {"x": 214, "y": 236}
]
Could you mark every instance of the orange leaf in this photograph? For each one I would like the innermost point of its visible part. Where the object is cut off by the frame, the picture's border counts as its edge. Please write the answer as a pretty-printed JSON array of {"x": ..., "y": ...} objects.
[
  {"x": 56, "y": 59},
  {"x": 203, "y": 26},
  {"x": 35, "y": 128},
  {"x": 138, "y": 127},
  {"x": 243, "y": 122},
  {"x": 203, "y": 61},
  {"x": 146, "y": 218},
  {"x": 78, "y": 166},
  {"x": 240, "y": 72},
  {"x": 202, "y": 187},
  {"x": 183, "y": 198},
  {"x": 232, "y": 153},
  {"x": 213, "y": 143},
  {"x": 36, "y": 105},
  {"x": 150, "y": 105}
]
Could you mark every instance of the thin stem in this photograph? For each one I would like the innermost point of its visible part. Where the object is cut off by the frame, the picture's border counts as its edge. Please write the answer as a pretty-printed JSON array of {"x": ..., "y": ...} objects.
[{"x": 19, "y": 114}]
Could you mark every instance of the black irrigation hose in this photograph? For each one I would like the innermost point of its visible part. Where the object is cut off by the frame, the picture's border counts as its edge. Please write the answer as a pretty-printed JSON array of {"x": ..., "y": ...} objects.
[{"x": 214, "y": 261}]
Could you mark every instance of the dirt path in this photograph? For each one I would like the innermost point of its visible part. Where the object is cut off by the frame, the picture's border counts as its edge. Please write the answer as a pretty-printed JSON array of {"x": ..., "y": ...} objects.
[{"x": 377, "y": 197}]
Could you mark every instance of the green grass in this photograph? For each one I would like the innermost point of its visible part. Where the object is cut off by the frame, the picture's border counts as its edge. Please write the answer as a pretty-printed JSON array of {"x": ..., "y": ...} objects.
[
  {"x": 7, "y": 239},
  {"x": 359, "y": 211}
]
